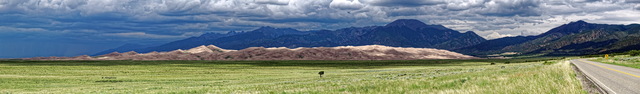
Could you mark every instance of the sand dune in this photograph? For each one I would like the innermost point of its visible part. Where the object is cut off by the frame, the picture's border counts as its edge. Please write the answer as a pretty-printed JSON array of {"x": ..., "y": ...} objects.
[{"x": 211, "y": 52}]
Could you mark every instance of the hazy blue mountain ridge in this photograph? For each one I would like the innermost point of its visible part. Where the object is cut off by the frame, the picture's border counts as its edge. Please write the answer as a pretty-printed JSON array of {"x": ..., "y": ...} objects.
[{"x": 400, "y": 33}]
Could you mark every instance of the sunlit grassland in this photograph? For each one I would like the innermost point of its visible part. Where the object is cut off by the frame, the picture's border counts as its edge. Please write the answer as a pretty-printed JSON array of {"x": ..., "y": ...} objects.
[
  {"x": 414, "y": 76},
  {"x": 622, "y": 60}
]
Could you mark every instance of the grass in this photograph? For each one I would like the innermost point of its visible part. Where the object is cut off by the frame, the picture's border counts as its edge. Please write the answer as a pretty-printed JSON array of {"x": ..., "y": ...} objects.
[
  {"x": 622, "y": 60},
  {"x": 413, "y": 76}
]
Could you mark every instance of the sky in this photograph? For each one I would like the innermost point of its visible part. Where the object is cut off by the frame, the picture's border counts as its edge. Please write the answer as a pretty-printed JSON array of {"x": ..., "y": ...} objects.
[{"x": 30, "y": 28}]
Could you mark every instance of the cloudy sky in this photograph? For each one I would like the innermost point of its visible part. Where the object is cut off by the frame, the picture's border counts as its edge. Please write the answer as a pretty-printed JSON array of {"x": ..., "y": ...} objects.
[{"x": 73, "y": 27}]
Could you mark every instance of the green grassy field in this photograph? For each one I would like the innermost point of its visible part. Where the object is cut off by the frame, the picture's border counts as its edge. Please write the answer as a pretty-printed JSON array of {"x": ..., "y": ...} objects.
[
  {"x": 622, "y": 60},
  {"x": 414, "y": 76}
]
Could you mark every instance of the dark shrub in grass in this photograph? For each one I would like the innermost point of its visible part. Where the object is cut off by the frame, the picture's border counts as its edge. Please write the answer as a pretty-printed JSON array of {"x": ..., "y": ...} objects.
[
  {"x": 548, "y": 62},
  {"x": 634, "y": 52}
]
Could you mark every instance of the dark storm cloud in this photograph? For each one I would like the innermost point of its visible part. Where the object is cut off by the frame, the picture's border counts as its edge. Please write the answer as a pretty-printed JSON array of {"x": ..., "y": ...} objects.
[
  {"x": 407, "y": 11},
  {"x": 510, "y": 8},
  {"x": 158, "y": 21},
  {"x": 274, "y": 2},
  {"x": 176, "y": 17},
  {"x": 311, "y": 20},
  {"x": 403, "y": 3},
  {"x": 632, "y": 1}
]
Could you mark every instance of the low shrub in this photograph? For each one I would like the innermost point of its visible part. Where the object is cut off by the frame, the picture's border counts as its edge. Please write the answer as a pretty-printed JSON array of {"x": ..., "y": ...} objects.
[
  {"x": 548, "y": 62},
  {"x": 634, "y": 52}
]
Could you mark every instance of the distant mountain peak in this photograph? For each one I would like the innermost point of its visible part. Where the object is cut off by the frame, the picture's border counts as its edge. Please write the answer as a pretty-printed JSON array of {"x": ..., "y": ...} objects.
[
  {"x": 579, "y": 22},
  {"x": 265, "y": 28},
  {"x": 269, "y": 28},
  {"x": 570, "y": 28},
  {"x": 470, "y": 32},
  {"x": 412, "y": 23},
  {"x": 233, "y": 32}
]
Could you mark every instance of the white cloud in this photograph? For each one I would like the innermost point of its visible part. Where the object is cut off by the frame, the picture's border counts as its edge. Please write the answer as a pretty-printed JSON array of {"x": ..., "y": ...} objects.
[
  {"x": 618, "y": 17},
  {"x": 464, "y": 4},
  {"x": 495, "y": 35},
  {"x": 346, "y": 4},
  {"x": 14, "y": 29}
]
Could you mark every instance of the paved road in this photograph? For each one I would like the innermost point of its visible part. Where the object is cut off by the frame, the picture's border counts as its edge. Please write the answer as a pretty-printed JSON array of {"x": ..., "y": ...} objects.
[{"x": 613, "y": 78}]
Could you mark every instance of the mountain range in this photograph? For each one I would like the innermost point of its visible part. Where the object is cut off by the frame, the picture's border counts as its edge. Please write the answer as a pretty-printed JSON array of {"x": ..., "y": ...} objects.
[
  {"x": 400, "y": 33},
  {"x": 575, "y": 38}
]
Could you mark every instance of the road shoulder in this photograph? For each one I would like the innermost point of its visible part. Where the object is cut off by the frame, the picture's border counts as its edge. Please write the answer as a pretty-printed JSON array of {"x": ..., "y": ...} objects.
[{"x": 588, "y": 84}]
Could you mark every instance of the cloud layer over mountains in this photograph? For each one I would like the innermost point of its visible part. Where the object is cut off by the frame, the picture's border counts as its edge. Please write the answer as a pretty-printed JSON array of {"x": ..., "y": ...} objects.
[{"x": 97, "y": 24}]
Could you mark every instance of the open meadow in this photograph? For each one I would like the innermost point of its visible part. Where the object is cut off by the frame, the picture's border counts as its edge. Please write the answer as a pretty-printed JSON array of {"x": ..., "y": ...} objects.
[
  {"x": 622, "y": 60},
  {"x": 536, "y": 76}
]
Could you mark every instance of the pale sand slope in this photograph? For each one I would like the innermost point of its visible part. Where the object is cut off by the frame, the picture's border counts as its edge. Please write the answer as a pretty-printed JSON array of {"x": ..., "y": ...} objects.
[{"x": 211, "y": 52}]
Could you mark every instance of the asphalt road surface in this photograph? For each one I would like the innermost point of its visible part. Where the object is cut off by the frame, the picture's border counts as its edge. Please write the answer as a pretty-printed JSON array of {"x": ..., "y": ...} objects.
[{"x": 612, "y": 78}]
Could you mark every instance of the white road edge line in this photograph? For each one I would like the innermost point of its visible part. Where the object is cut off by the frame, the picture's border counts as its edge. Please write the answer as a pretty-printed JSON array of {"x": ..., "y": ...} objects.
[{"x": 598, "y": 81}]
